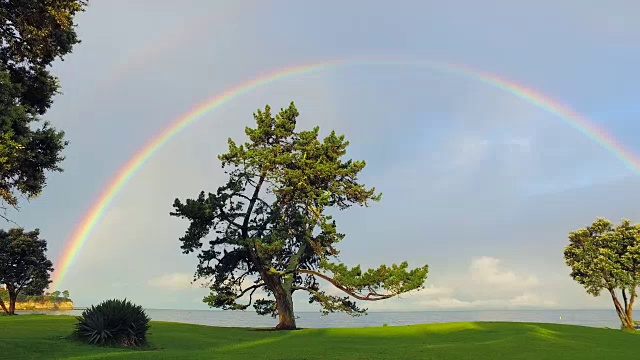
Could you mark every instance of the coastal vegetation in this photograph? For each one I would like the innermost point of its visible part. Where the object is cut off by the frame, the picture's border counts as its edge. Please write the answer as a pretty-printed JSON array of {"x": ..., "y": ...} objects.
[
  {"x": 46, "y": 301},
  {"x": 45, "y": 337},
  {"x": 606, "y": 257},
  {"x": 271, "y": 229}
]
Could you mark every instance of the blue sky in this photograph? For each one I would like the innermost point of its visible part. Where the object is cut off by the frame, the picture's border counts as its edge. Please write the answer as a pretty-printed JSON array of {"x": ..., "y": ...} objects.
[{"x": 477, "y": 183}]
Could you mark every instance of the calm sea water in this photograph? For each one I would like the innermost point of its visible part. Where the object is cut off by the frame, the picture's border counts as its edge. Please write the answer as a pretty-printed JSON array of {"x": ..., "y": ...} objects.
[{"x": 595, "y": 318}]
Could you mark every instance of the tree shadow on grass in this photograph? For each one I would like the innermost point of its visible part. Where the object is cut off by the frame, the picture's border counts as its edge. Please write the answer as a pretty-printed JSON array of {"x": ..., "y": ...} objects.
[
  {"x": 488, "y": 340},
  {"x": 470, "y": 335},
  {"x": 353, "y": 337},
  {"x": 272, "y": 329}
]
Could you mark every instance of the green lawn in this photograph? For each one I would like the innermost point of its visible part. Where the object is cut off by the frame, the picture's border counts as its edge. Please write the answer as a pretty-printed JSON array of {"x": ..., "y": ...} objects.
[{"x": 41, "y": 337}]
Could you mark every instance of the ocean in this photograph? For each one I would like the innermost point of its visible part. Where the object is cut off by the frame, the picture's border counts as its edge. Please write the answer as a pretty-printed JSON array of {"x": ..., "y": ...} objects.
[{"x": 594, "y": 318}]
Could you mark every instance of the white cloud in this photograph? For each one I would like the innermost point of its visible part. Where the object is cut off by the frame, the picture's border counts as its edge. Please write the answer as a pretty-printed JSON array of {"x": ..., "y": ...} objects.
[
  {"x": 521, "y": 301},
  {"x": 445, "y": 303},
  {"x": 175, "y": 281},
  {"x": 530, "y": 300},
  {"x": 487, "y": 284},
  {"x": 434, "y": 291},
  {"x": 487, "y": 271}
]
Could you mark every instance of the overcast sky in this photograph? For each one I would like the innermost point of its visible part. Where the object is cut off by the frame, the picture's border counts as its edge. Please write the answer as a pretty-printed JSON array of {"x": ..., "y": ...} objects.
[{"x": 477, "y": 183}]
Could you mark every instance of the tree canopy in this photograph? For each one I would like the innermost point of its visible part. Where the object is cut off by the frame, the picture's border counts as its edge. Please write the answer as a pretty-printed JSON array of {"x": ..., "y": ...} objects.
[
  {"x": 42, "y": 297},
  {"x": 267, "y": 228},
  {"x": 34, "y": 33},
  {"x": 606, "y": 257},
  {"x": 24, "y": 267}
]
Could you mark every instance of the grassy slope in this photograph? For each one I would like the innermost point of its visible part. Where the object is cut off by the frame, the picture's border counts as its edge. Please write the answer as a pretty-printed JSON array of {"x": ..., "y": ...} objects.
[{"x": 40, "y": 337}]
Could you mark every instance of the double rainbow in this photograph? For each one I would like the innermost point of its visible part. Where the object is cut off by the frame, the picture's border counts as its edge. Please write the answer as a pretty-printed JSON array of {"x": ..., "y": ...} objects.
[{"x": 117, "y": 182}]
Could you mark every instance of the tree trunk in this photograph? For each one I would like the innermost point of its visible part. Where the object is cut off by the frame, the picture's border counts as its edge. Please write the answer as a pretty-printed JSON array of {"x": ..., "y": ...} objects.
[
  {"x": 623, "y": 314},
  {"x": 626, "y": 321},
  {"x": 629, "y": 317},
  {"x": 4, "y": 307},
  {"x": 284, "y": 301},
  {"x": 13, "y": 295},
  {"x": 284, "y": 304},
  {"x": 12, "y": 305},
  {"x": 630, "y": 309}
]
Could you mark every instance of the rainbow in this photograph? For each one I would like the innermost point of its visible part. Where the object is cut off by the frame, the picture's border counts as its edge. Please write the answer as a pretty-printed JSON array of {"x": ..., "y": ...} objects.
[
  {"x": 117, "y": 182},
  {"x": 155, "y": 49}
]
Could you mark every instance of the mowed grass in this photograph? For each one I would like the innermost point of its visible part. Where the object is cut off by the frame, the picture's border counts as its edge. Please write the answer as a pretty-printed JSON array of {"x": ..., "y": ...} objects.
[{"x": 43, "y": 337}]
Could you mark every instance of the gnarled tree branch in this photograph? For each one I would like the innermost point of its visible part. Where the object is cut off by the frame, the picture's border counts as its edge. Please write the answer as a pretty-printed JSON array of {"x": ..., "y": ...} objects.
[
  {"x": 370, "y": 296},
  {"x": 252, "y": 287}
]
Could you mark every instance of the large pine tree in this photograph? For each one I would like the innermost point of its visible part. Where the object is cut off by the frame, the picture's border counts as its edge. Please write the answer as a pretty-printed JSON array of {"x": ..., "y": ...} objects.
[{"x": 268, "y": 227}]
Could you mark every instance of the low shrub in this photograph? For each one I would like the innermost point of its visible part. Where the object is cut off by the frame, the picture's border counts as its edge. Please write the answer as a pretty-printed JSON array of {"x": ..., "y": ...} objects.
[{"x": 113, "y": 322}]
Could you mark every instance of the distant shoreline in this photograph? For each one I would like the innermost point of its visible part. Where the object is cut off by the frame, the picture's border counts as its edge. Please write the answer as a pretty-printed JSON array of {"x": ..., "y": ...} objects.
[{"x": 46, "y": 305}]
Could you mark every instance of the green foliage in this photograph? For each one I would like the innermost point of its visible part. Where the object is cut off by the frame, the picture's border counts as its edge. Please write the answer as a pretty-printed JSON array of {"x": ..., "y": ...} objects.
[
  {"x": 605, "y": 257},
  {"x": 24, "y": 297},
  {"x": 65, "y": 294},
  {"x": 395, "y": 278},
  {"x": 113, "y": 322},
  {"x": 269, "y": 223},
  {"x": 34, "y": 33},
  {"x": 24, "y": 267},
  {"x": 25, "y": 153}
]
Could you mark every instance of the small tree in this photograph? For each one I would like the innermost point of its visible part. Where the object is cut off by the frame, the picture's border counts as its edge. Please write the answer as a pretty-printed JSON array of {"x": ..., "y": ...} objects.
[
  {"x": 607, "y": 257},
  {"x": 269, "y": 221},
  {"x": 65, "y": 294},
  {"x": 55, "y": 295},
  {"x": 24, "y": 267}
]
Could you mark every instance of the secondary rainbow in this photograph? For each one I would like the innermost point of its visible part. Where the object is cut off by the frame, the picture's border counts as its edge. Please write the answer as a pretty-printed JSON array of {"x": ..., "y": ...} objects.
[
  {"x": 155, "y": 49},
  {"x": 115, "y": 184}
]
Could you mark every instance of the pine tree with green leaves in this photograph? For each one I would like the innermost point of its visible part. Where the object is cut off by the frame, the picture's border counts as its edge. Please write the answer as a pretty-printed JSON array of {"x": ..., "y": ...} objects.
[{"x": 268, "y": 229}]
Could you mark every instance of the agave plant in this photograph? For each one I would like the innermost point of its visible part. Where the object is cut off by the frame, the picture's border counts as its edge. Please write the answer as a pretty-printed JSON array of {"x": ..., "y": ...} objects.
[{"x": 113, "y": 322}]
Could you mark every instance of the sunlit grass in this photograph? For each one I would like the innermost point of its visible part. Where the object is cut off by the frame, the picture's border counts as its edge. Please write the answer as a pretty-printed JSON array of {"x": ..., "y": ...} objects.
[{"x": 44, "y": 337}]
